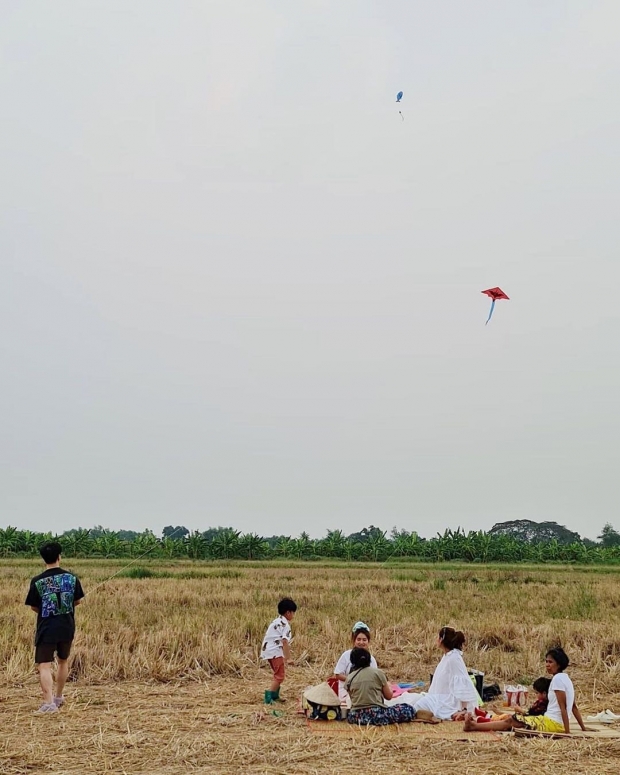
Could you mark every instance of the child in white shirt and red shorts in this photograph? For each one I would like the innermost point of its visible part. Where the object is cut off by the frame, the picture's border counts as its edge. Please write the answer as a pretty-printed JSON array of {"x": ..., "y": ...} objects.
[{"x": 276, "y": 647}]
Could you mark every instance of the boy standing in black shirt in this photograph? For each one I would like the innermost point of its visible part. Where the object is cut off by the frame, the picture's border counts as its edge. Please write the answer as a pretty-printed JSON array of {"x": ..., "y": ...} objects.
[{"x": 53, "y": 595}]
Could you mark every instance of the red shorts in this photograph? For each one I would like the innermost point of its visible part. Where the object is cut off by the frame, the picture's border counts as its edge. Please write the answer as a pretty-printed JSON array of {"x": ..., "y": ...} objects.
[{"x": 277, "y": 665}]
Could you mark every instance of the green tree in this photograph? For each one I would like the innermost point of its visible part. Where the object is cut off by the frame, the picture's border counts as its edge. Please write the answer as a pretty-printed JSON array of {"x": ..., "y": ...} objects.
[
  {"x": 77, "y": 543},
  {"x": 366, "y": 534},
  {"x": 284, "y": 547},
  {"x": 475, "y": 546},
  {"x": 405, "y": 544},
  {"x": 226, "y": 544},
  {"x": 29, "y": 542},
  {"x": 9, "y": 541},
  {"x": 172, "y": 547},
  {"x": 302, "y": 547},
  {"x": 333, "y": 544},
  {"x": 108, "y": 544},
  {"x": 196, "y": 545},
  {"x": 352, "y": 550},
  {"x": 577, "y": 552},
  {"x": 609, "y": 537},
  {"x": 535, "y": 532},
  {"x": 175, "y": 532},
  {"x": 377, "y": 547},
  {"x": 145, "y": 543},
  {"x": 251, "y": 546}
]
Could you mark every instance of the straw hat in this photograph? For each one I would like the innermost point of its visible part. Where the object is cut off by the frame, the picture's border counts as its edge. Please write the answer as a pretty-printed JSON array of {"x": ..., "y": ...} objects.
[{"x": 323, "y": 694}]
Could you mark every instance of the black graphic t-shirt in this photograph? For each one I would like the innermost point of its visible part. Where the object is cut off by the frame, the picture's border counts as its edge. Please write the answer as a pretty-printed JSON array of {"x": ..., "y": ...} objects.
[{"x": 54, "y": 592}]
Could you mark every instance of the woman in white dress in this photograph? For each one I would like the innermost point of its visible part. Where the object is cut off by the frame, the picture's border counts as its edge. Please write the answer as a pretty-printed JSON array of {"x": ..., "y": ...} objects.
[
  {"x": 360, "y": 636},
  {"x": 451, "y": 694}
]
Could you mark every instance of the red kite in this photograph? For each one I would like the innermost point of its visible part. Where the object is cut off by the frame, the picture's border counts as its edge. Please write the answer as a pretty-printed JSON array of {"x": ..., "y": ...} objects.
[{"x": 494, "y": 294}]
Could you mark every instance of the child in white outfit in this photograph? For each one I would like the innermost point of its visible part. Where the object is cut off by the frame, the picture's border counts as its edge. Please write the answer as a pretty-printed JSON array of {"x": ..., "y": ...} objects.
[{"x": 276, "y": 647}]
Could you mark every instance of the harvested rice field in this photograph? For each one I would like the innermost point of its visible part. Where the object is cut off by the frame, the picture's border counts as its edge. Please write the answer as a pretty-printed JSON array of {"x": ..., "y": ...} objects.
[{"x": 166, "y": 677}]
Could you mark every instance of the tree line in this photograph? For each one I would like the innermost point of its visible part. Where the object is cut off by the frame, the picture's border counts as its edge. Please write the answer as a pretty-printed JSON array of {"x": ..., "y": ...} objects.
[{"x": 517, "y": 541}]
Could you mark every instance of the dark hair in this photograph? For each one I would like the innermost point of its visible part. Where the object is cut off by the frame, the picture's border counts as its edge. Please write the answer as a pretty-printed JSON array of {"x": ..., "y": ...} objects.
[
  {"x": 559, "y": 656},
  {"x": 285, "y": 605},
  {"x": 360, "y": 658},
  {"x": 451, "y": 638},
  {"x": 541, "y": 685},
  {"x": 362, "y": 630},
  {"x": 50, "y": 552}
]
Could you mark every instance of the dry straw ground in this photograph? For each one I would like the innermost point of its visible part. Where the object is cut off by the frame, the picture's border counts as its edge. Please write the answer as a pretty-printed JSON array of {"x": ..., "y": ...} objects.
[{"x": 166, "y": 676}]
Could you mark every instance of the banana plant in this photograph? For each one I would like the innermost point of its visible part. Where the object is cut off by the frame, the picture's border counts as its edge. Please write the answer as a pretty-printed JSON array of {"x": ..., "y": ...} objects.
[
  {"x": 195, "y": 545},
  {"x": 9, "y": 541},
  {"x": 252, "y": 546}
]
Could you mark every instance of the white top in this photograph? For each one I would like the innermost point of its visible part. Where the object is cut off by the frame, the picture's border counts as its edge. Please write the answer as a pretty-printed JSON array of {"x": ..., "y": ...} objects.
[
  {"x": 562, "y": 682},
  {"x": 344, "y": 666},
  {"x": 452, "y": 689},
  {"x": 278, "y": 631}
]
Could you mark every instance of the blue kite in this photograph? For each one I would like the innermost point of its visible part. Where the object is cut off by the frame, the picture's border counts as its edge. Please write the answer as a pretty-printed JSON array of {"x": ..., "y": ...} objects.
[{"x": 399, "y": 97}]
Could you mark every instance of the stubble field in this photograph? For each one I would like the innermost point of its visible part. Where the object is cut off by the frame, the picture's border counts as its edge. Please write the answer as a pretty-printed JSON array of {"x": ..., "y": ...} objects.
[{"x": 166, "y": 676}]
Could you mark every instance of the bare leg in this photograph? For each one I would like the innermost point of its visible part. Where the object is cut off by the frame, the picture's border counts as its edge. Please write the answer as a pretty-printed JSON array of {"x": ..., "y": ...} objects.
[
  {"x": 47, "y": 682},
  {"x": 61, "y": 676},
  {"x": 275, "y": 685},
  {"x": 490, "y": 726}
]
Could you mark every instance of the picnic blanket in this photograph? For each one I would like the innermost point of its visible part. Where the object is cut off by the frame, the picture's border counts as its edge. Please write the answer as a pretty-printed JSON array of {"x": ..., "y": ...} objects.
[
  {"x": 446, "y": 730},
  {"x": 404, "y": 688},
  {"x": 595, "y": 731}
]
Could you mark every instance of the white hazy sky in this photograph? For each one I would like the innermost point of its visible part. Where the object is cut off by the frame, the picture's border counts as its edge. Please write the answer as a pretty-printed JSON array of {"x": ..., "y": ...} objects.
[{"x": 237, "y": 289}]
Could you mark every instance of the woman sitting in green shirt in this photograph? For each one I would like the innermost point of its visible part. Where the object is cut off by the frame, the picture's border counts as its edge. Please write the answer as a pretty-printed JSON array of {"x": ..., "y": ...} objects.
[{"x": 368, "y": 689}]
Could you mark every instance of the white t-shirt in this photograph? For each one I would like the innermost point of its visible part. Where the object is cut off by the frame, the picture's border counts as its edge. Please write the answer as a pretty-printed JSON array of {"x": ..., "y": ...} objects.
[
  {"x": 278, "y": 631},
  {"x": 344, "y": 667},
  {"x": 562, "y": 682}
]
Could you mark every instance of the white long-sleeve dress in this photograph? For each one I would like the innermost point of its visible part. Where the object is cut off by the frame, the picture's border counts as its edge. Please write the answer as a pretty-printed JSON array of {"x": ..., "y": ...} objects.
[{"x": 452, "y": 689}]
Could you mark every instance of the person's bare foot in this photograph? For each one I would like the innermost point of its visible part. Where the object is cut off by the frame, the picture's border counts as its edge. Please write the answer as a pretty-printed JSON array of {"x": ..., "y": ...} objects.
[{"x": 469, "y": 725}]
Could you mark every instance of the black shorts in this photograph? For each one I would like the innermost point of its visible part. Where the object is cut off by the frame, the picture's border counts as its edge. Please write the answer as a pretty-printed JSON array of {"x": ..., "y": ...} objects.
[{"x": 44, "y": 652}]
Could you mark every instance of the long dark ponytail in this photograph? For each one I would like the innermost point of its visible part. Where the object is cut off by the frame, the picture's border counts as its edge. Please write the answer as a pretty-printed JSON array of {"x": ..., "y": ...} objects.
[{"x": 451, "y": 638}]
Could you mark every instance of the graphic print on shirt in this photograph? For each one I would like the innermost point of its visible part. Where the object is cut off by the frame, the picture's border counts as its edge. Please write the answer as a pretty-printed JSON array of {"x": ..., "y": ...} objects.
[
  {"x": 279, "y": 630},
  {"x": 57, "y": 593}
]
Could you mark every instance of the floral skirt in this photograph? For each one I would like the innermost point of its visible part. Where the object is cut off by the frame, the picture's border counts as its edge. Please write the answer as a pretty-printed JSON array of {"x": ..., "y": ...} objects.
[
  {"x": 539, "y": 723},
  {"x": 378, "y": 716}
]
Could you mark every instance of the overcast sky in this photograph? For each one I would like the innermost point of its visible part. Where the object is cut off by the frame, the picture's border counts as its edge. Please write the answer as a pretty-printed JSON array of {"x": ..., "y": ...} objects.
[{"x": 237, "y": 289}]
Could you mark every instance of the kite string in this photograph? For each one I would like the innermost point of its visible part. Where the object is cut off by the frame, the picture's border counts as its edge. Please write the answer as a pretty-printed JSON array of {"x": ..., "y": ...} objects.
[{"x": 129, "y": 564}]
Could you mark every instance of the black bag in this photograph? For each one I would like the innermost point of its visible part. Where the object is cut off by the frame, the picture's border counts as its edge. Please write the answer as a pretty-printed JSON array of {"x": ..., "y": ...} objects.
[{"x": 490, "y": 692}]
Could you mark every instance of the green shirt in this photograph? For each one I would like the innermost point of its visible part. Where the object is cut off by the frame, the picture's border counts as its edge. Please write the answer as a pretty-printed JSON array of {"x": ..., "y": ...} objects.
[{"x": 365, "y": 687}]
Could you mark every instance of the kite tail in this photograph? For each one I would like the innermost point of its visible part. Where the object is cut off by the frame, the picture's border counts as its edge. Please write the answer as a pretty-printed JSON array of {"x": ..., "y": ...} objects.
[
  {"x": 491, "y": 312},
  {"x": 401, "y": 115}
]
